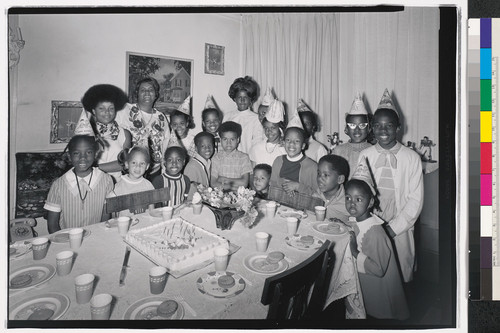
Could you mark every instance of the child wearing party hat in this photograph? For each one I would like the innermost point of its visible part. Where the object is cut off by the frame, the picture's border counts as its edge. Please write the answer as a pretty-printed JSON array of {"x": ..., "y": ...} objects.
[
  {"x": 376, "y": 263},
  {"x": 357, "y": 128},
  {"x": 274, "y": 126},
  {"x": 314, "y": 150},
  {"x": 399, "y": 178},
  {"x": 295, "y": 172},
  {"x": 264, "y": 105},
  {"x": 211, "y": 118},
  {"x": 76, "y": 199},
  {"x": 180, "y": 121}
]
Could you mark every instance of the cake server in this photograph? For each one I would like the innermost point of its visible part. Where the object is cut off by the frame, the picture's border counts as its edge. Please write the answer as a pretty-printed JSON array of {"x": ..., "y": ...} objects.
[{"x": 123, "y": 273}]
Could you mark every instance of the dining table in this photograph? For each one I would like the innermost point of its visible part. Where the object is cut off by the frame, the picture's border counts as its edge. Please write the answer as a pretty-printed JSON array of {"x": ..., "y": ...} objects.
[{"x": 102, "y": 252}]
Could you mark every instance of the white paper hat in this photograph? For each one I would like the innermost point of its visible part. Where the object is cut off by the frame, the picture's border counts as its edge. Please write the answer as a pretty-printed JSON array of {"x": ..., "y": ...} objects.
[
  {"x": 386, "y": 102},
  {"x": 357, "y": 107},
  {"x": 363, "y": 173},
  {"x": 185, "y": 107},
  {"x": 209, "y": 103},
  {"x": 268, "y": 97},
  {"x": 83, "y": 126},
  {"x": 276, "y": 112},
  {"x": 302, "y": 107},
  {"x": 295, "y": 121}
]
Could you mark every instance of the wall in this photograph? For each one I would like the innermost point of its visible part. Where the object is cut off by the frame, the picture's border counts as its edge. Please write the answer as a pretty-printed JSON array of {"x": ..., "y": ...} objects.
[{"x": 65, "y": 54}]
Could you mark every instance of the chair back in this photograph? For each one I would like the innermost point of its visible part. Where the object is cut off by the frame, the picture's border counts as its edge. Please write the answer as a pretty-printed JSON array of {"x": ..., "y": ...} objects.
[
  {"x": 137, "y": 200},
  {"x": 298, "y": 201},
  {"x": 296, "y": 293}
]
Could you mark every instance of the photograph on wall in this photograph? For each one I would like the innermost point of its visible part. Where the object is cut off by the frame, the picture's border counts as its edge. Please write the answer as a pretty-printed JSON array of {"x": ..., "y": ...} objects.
[
  {"x": 174, "y": 75},
  {"x": 214, "y": 59},
  {"x": 65, "y": 115}
]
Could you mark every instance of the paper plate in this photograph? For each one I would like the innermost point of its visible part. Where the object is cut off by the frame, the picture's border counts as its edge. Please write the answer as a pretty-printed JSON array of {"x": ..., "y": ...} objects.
[
  {"x": 289, "y": 212},
  {"x": 113, "y": 223},
  {"x": 19, "y": 249},
  {"x": 208, "y": 284},
  {"x": 59, "y": 303},
  {"x": 257, "y": 263},
  {"x": 39, "y": 273},
  {"x": 145, "y": 309},
  {"x": 295, "y": 242},
  {"x": 62, "y": 236},
  {"x": 326, "y": 228}
]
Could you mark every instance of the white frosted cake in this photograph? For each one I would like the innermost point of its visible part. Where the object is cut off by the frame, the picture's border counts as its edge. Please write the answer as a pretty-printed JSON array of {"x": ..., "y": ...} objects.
[{"x": 176, "y": 244}]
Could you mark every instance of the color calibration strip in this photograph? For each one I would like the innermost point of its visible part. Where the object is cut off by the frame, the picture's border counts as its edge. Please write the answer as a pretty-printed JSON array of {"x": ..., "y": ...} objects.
[
  {"x": 486, "y": 170},
  {"x": 474, "y": 98},
  {"x": 495, "y": 54}
]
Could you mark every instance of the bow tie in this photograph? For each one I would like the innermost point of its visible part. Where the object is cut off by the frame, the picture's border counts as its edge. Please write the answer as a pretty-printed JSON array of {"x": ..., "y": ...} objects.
[
  {"x": 110, "y": 130},
  {"x": 382, "y": 160}
]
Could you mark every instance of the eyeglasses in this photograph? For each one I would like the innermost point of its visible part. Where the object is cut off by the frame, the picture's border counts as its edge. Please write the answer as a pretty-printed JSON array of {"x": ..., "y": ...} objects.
[{"x": 360, "y": 126}]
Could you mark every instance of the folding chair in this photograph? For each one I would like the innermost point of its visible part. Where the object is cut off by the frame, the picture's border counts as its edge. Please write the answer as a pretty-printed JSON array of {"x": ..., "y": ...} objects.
[
  {"x": 297, "y": 292},
  {"x": 298, "y": 201},
  {"x": 137, "y": 201}
]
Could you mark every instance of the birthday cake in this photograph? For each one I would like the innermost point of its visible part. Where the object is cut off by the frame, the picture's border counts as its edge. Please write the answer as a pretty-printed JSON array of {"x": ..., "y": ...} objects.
[{"x": 176, "y": 244}]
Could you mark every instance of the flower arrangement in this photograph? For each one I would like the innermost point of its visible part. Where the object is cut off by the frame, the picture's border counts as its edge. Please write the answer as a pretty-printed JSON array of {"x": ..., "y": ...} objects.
[{"x": 241, "y": 201}]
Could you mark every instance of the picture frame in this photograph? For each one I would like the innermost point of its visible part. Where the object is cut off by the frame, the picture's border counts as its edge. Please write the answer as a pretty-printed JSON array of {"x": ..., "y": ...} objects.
[
  {"x": 64, "y": 117},
  {"x": 214, "y": 59},
  {"x": 174, "y": 75}
]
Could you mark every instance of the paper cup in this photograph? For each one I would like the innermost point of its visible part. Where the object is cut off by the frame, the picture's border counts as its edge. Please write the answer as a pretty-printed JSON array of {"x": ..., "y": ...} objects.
[
  {"x": 167, "y": 212},
  {"x": 100, "y": 306},
  {"x": 270, "y": 209},
  {"x": 261, "y": 239},
  {"x": 40, "y": 247},
  {"x": 292, "y": 224},
  {"x": 84, "y": 285},
  {"x": 197, "y": 208},
  {"x": 320, "y": 213},
  {"x": 75, "y": 238},
  {"x": 221, "y": 256},
  {"x": 123, "y": 225},
  {"x": 64, "y": 262},
  {"x": 157, "y": 279}
]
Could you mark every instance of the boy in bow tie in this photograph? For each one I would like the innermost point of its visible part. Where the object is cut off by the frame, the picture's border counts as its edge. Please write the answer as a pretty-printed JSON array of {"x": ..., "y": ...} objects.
[{"x": 399, "y": 180}]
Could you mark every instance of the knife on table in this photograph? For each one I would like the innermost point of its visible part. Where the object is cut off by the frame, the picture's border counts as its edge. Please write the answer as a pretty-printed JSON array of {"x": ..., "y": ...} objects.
[{"x": 123, "y": 273}]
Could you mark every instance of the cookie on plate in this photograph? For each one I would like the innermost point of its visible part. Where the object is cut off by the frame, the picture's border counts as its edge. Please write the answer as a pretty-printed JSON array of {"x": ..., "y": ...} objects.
[
  {"x": 41, "y": 314},
  {"x": 226, "y": 281},
  {"x": 307, "y": 240},
  {"x": 275, "y": 257},
  {"x": 20, "y": 280},
  {"x": 167, "y": 308}
]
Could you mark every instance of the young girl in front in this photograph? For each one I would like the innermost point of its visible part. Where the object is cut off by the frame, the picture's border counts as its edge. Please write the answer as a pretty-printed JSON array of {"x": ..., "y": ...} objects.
[
  {"x": 265, "y": 152},
  {"x": 357, "y": 128},
  {"x": 136, "y": 162},
  {"x": 378, "y": 272},
  {"x": 76, "y": 199},
  {"x": 172, "y": 177},
  {"x": 103, "y": 101}
]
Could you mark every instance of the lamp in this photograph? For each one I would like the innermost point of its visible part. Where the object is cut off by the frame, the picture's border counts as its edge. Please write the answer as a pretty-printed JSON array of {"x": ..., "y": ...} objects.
[{"x": 15, "y": 46}]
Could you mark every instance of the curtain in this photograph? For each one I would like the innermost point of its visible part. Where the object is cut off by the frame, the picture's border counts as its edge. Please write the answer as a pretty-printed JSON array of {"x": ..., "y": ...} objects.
[{"x": 325, "y": 58}]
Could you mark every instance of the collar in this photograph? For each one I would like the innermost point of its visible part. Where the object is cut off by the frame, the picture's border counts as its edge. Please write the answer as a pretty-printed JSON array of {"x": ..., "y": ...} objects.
[
  {"x": 368, "y": 223},
  {"x": 70, "y": 178},
  {"x": 296, "y": 158},
  {"x": 202, "y": 160},
  {"x": 172, "y": 177},
  {"x": 339, "y": 193},
  {"x": 223, "y": 152},
  {"x": 393, "y": 150},
  {"x": 127, "y": 179}
]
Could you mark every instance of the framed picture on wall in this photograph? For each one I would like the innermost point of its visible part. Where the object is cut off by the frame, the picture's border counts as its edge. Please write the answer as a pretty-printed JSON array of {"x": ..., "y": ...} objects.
[
  {"x": 65, "y": 115},
  {"x": 174, "y": 75},
  {"x": 214, "y": 59}
]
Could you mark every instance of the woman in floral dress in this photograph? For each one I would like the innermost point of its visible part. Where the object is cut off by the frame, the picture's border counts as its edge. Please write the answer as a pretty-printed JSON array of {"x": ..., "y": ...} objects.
[{"x": 148, "y": 126}]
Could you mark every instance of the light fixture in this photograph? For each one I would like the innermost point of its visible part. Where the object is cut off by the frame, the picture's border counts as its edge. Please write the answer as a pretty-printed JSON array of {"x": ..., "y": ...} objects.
[{"x": 15, "y": 46}]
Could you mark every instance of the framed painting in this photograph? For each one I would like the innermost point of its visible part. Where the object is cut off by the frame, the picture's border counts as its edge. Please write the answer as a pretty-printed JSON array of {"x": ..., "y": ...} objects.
[
  {"x": 214, "y": 59},
  {"x": 174, "y": 75},
  {"x": 65, "y": 115}
]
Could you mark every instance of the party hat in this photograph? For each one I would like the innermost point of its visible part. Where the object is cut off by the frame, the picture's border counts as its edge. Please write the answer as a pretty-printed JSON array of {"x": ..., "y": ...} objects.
[
  {"x": 386, "y": 102},
  {"x": 276, "y": 112},
  {"x": 209, "y": 103},
  {"x": 363, "y": 172},
  {"x": 357, "y": 107},
  {"x": 268, "y": 97},
  {"x": 174, "y": 141},
  {"x": 83, "y": 126},
  {"x": 295, "y": 121},
  {"x": 185, "y": 107},
  {"x": 302, "y": 107}
]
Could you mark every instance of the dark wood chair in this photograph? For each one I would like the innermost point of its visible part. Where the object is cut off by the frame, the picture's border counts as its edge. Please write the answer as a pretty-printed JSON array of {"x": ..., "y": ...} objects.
[
  {"x": 298, "y": 201},
  {"x": 137, "y": 201},
  {"x": 297, "y": 292}
]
